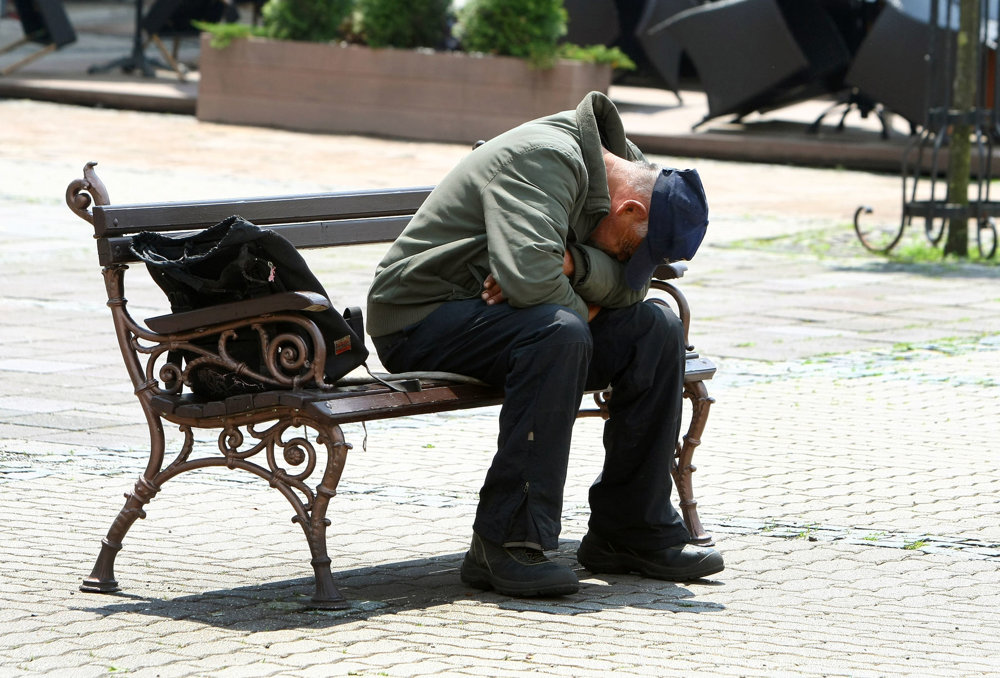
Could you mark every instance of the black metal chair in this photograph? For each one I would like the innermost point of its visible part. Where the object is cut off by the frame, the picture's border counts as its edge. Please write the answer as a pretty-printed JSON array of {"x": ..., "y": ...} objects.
[
  {"x": 662, "y": 50},
  {"x": 754, "y": 55},
  {"x": 740, "y": 49},
  {"x": 173, "y": 19},
  {"x": 892, "y": 65},
  {"x": 592, "y": 22},
  {"x": 44, "y": 22}
]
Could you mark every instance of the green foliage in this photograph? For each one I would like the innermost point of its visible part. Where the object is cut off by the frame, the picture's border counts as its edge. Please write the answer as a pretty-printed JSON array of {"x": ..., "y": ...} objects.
[
  {"x": 224, "y": 34},
  {"x": 403, "y": 23},
  {"x": 305, "y": 20},
  {"x": 522, "y": 28},
  {"x": 527, "y": 29},
  {"x": 918, "y": 250},
  {"x": 808, "y": 533},
  {"x": 596, "y": 54}
]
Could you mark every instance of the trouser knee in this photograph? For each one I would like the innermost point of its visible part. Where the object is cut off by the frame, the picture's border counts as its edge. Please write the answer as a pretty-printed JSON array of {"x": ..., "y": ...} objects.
[
  {"x": 666, "y": 328},
  {"x": 556, "y": 326}
]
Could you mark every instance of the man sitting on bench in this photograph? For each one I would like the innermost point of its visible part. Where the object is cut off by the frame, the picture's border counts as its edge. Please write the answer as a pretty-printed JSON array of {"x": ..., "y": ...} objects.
[{"x": 526, "y": 267}]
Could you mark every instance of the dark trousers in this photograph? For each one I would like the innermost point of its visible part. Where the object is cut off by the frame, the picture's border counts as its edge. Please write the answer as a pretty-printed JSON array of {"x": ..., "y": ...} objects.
[{"x": 545, "y": 357}]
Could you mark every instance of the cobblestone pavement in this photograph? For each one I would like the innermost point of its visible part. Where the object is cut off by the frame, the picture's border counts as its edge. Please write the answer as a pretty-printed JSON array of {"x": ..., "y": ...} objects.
[{"x": 849, "y": 471}]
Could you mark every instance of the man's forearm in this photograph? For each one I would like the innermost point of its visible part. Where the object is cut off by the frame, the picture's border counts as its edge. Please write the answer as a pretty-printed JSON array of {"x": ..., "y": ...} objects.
[{"x": 599, "y": 279}]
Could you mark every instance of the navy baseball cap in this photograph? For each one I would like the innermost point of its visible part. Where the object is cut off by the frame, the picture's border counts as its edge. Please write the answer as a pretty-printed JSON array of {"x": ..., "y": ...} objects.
[{"x": 678, "y": 219}]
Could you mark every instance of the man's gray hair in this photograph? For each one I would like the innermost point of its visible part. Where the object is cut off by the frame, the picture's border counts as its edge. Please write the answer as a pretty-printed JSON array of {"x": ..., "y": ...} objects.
[{"x": 644, "y": 176}]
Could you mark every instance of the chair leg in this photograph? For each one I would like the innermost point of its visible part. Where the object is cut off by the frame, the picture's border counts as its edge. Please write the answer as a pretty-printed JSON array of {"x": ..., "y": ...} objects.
[
  {"x": 48, "y": 49},
  {"x": 701, "y": 402},
  {"x": 170, "y": 58}
]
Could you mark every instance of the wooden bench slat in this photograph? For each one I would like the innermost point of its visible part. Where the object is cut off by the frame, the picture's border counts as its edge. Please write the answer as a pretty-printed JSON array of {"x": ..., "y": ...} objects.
[
  {"x": 357, "y": 404},
  {"x": 698, "y": 369},
  {"x": 304, "y": 235},
  {"x": 116, "y": 220},
  {"x": 390, "y": 405},
  {"x": 369, "y": 402}
]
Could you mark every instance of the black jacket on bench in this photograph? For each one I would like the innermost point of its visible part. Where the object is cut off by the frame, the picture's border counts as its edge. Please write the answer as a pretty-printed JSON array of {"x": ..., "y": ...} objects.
[{"x": 236, "y": 260}]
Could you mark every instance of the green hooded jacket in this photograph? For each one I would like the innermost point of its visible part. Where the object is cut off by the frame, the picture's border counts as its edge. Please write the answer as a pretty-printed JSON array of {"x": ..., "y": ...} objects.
[{"x": 512, "y": 208}]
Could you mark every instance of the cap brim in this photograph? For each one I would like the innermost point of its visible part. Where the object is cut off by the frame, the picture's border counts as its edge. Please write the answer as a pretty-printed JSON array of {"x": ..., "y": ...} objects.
[
  {"x": 640, "y": 266},
  {"x": 688, "y": 243}
]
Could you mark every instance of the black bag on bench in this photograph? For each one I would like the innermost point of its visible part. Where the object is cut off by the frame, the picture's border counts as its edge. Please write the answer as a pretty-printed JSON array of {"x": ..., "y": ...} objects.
[{"x": 236, "y": 260}]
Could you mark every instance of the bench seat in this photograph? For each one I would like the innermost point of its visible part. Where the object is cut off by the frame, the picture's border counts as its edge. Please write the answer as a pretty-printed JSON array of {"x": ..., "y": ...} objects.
[{"x": 363, "y": 402}]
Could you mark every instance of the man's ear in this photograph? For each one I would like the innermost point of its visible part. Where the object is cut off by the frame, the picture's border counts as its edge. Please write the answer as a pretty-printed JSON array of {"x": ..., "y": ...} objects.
[{"x": 634, "y": 210}]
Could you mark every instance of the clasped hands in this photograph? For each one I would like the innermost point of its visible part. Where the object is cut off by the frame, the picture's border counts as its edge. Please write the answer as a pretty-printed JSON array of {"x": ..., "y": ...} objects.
[{"x": 492, "y": 294}]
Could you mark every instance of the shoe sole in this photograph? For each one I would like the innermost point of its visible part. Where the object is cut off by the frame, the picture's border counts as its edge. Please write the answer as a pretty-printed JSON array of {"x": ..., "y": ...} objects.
[
  {"x": 481, "y": 578},
  {"x": 625, "y": 564}
]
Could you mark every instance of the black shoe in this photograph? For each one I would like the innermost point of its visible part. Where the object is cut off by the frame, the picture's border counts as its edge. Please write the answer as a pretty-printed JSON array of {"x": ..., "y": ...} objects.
[
  {"x": 683, "y": 562},
  {"x": 515, "y": 571}
]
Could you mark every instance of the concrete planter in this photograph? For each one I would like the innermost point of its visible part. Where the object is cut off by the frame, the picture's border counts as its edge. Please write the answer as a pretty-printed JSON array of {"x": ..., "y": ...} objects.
[{"x": 356, "y": 90}]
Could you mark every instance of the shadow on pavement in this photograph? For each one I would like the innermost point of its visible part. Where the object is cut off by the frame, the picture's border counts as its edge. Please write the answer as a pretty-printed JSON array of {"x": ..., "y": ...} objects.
[
  {"x": 393, "y": 588},
  {"x": 956, "y": 270}
]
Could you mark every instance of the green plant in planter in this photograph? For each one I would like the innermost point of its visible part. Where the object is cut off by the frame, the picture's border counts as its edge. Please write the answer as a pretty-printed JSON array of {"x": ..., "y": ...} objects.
[
  {"x": 596, "y": 54},
  {"x": 306, "y": 20},
  {"x": 529, "y": 29},
  {"x": 403, "y": 23},
  {"x": 224, "y": 34},
  {"x": 521, "y": 28}
]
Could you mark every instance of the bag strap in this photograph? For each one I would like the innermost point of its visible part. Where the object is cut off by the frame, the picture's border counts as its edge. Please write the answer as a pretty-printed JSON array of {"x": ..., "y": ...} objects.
[
  {"x": 352, "y": 314},
  {"x": 398, "y": 385},
  {"x": 355, "y": 320}
]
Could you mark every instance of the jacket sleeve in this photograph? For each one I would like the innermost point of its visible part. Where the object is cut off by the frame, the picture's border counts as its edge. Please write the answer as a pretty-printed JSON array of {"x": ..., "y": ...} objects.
[
  {"x": 526, "y": 208},
  {"x": 600, "y": 279}
]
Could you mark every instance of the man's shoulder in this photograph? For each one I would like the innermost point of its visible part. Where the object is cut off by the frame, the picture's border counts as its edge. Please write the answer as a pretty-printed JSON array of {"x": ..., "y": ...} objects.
[
  {"x": 558, "y": 131},
  {"x": 544, "y": 142}
]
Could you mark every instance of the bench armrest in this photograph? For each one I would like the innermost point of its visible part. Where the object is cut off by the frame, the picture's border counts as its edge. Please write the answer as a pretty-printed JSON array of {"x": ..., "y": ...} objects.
[
  {"x": 176, "y": 323},
  {"x": 660, "y": 277},
  {"x": 670, "y": 271}
]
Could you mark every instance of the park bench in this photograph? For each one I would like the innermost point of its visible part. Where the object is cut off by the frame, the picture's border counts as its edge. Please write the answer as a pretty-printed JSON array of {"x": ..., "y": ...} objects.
[{"x": 252, "y": 428}]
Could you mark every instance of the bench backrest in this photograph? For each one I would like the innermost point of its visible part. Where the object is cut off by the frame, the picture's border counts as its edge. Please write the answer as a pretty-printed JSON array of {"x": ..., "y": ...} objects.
[{"x": 307, "y": 221}]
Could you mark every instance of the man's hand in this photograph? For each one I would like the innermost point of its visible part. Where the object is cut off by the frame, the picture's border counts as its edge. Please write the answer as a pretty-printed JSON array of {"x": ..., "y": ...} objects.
[
  {"x": 492, "y": 294},
  {"x": 569, "y": 267}
]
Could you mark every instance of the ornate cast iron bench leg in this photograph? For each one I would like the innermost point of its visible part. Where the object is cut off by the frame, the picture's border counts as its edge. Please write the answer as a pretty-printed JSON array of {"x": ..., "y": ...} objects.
[
  {"x": 701, "y": 402},
  {"x": 682, "y": 468},
  {"x": 310, "y": 507},
  {"x": 102, "y": 577},
  {"x": 327, "y": 596},
  {"x": 300, "y": 455}
]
